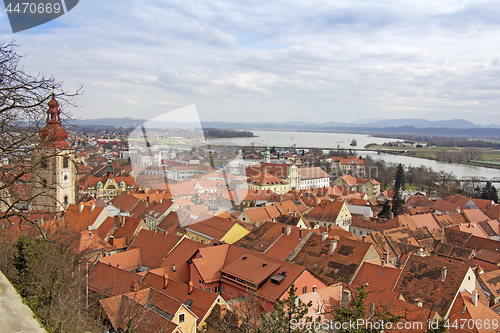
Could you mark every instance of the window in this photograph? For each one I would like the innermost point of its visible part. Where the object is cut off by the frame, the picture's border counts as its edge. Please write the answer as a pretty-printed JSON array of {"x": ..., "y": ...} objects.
[
  {"x": 231, "y": 292},
  {"x": 304, "y": 290},
  {"x": 65, "y": 162},
  {"x": 65, "y": 199},
  {"x": 182, "y": 318},
  {"x": 200, "y": 282},
  {"x": 223, "y": 289},
  {"x": 217, "y": 289},
  {"x": 44, "y": 183},
  {"x": 209, "y": 289}
]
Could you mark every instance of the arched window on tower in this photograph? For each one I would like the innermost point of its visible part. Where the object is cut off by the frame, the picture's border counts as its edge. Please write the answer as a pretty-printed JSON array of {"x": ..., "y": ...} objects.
[
  {"x": 65, "y": 162},
  {"x": 44, "y": 183},
  {"x": 65, "y": 199}
]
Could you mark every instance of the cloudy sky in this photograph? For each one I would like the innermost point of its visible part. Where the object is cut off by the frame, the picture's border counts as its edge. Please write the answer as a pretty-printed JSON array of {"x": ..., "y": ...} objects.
[{"x": 291, "y": 60}]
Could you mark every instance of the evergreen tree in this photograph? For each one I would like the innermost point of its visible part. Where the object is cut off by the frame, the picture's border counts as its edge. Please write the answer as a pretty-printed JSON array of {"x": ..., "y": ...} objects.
[
  {"x": 386, "y": 209},
  {"x": 285, "y": 312},
  {"x": 489, "y": 192},
  {"x": 356, "y": 310},
  {"x": 399, "y": 184}
]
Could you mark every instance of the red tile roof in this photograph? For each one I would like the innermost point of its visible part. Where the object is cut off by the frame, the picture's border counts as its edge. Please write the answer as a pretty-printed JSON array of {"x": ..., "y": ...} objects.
[
  {"x": 212, "y": 226},
  {"x": 129, "y": 229},
  {"x": 445, "y": 207},
  {"x": 465, "y": 311},
  {"x": 273, "y": 239},
  {"x": 421, "y": 280},
  {"x": 112, "y": 281},
  {"x": 265, "y": 179},
  {"x": 326, "y": 211},
  {"x": 201, "y": 300},
  {"x": 128, "y": 260},
  {"x": 125, "y": 202},
  {"x": 154, "y": 246},
  {"x": 78, "y": 221},
  {"x": 332, "y": 268},
  {"x": 179, "y": 257},
  {"x": 376, "y": 276}
]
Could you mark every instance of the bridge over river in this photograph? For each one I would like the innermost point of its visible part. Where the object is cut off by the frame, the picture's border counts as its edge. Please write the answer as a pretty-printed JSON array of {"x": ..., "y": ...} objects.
[{"x": 474, "y": 179}]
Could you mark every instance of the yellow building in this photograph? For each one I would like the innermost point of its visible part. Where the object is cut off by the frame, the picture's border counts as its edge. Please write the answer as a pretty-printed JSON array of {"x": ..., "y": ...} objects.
[
  {"x": 107, "y": 188},
  {"x": 267, "y": 182}
]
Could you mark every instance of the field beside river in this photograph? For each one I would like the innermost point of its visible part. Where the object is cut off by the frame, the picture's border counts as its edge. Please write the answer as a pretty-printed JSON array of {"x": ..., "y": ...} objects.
[{"x": 484, "y": 156}]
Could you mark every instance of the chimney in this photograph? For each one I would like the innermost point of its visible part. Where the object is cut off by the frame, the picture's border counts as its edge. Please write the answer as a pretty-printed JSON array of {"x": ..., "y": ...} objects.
[
  {"x": 324, "y": 235},
  {"x": 443, "y": 274},
  {"x": 122, "y": 220},
  {"x": 333, "y": 246},
  {"x": 391, "y": 215},
  {"x": 190, "y": 287},
  {"x": 283, "y": 229},
  {"x": 383, "y": 232},
  {"x": 475, "y": 297},
  {"x": 371, "y": 312},
  {"x": 161, "y": 201},
  {"x": 464, "y": 308},
  {"x": 90, "y": 234},
  {"x": 385, "y": 257},
  {"x": 264, "y": 264},
  {"x": 301, "y": 233},
  {"x": 165, "y": 281},
  {"x": 382, "y": 263},
  {"x": 244, "y": 257},
  {"x": 346, "y": 298},
  {"x": 295, "y": 213},
  {"x": 117, "y": 220},
  {"x": 118, "y": 265},
  {"x": 92, "y": 206},
  {"x": 288, "y": 230},
  {"x": 80, "y": 208},
  {"x": 173, "y": 267},
  {"x": 112, "y": 240}
]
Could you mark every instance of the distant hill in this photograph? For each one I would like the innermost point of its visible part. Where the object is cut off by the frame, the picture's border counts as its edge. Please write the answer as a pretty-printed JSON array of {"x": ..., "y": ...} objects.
[
  {"x": 116, "y": 122},
  {"x": 453, "y": 127}
]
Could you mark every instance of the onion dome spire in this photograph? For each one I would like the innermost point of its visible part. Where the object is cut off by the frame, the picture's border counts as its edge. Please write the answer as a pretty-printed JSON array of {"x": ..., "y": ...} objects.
[{"x": 53, "y": 134}]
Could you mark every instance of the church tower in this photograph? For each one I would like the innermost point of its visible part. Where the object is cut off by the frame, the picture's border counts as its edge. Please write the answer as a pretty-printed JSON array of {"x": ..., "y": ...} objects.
[
  {"x": 267, "y": 155},
  {"x": 55, "y": 173}
]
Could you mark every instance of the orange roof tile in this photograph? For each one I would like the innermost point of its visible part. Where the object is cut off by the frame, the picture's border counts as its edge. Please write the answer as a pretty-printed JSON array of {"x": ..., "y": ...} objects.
[
  {"x": 78, "y": 221},
  {"x": 421, "y": 279},
  {"x": 179, "y": 257},
  {"x": 332, "y": 268},
  {"x": 128, "y": 260},
  {"x": 210, "y": 270},
  {"x": 212, "y": 226},
  {"x": 326, "y": 211},
  {"x": 125, "y": 202},
  {"x": 112, "y": 281},
  {"x": 154, "y": 246}
]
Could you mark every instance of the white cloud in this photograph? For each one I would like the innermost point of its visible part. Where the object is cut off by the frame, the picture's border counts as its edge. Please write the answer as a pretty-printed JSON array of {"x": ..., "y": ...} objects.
[{"x": 284, "y": 60}]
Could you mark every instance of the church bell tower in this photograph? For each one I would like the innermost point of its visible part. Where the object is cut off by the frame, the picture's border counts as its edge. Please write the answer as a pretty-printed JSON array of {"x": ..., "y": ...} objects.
[{"x": 55, "y": 173}]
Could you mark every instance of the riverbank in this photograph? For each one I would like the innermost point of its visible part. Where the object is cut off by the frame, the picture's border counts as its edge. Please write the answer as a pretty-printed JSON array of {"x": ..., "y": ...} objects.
[{"x": 444, "y": 154}]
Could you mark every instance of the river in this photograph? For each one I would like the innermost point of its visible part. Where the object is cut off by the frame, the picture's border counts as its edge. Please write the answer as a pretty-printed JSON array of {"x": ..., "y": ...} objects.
[{"x": 343, "y": 140}]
